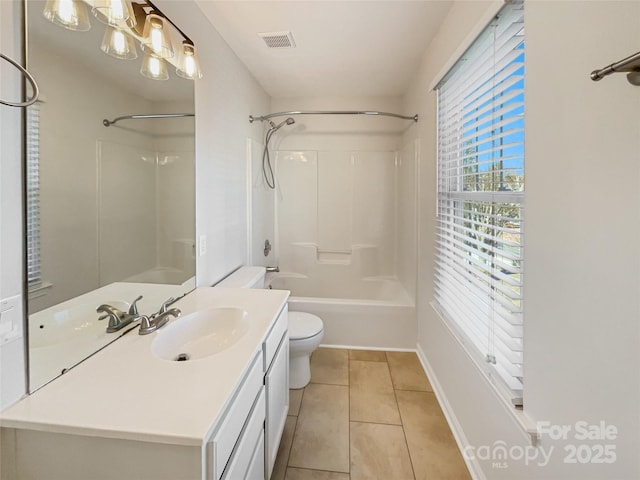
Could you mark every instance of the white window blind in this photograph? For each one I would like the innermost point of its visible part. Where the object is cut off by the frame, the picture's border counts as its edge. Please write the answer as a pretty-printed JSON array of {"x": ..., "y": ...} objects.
[
  {"x": 33, "y": 195},
  {"x": 479, "y": 246}
]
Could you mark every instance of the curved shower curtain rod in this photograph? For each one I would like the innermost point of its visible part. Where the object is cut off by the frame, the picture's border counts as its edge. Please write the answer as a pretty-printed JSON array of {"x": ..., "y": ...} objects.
[
  {"x": 332, "y": 112},
  {"x": 108, "y": 123}
]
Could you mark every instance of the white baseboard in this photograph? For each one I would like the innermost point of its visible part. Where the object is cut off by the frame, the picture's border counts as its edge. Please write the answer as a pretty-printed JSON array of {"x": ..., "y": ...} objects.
[
  {"x": 377, "y": 349},
  {"x": 458, "y": 433}
]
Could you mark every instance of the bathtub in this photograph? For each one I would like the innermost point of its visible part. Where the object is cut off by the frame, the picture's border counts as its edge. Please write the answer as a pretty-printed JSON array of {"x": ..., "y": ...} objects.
[{"x": 373, "y": 312}]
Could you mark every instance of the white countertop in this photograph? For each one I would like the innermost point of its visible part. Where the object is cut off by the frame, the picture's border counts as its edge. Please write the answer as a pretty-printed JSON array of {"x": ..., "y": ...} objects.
[
  {"x": 64, "y": 334},
  {"x": 124, "y": 391}
]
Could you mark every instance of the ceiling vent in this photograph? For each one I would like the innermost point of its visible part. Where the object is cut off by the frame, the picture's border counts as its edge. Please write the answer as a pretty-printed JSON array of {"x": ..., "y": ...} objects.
[{"x": 278, "y": 39}]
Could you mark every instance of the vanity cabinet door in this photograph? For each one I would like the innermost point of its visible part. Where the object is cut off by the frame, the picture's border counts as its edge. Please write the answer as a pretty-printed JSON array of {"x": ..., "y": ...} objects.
[{"x": 277, "y": 386}]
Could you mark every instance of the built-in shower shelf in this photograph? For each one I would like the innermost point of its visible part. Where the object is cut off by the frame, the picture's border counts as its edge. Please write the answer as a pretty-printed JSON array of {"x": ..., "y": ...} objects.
[{"x": 342, "y": 257}]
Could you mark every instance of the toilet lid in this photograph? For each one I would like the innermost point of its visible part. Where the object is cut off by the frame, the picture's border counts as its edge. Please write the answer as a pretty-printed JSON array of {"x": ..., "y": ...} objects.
[{"x": 303, "y": 325}]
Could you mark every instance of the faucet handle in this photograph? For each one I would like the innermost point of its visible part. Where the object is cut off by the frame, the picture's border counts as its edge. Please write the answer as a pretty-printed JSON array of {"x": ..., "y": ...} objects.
[
  {"x": 133, "y": 309},
  {"x": 165, "y": 305},
  {"x": 145, "y": 322}
]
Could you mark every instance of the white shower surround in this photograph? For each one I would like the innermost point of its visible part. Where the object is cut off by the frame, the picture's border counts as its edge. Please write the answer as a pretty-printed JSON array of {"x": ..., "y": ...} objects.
[{"x": 345, "y": 235}]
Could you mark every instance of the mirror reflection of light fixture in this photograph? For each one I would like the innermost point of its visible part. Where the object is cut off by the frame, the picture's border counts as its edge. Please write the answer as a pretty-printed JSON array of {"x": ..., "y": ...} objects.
[
  {"x": 118, "y": 44},
  {"x": 154, "y": 67},
  {"x": 154, "y": 36},
  {"x": 115, "y": 13},
  {"x": 126, "y": 21},
  {"x": 70, "y": 14},
  {"x": 188, "y": 65}
]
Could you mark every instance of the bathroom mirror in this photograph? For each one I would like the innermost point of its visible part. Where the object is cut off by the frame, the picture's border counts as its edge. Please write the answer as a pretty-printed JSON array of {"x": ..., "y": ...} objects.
[{"x": 110, "y": 210}]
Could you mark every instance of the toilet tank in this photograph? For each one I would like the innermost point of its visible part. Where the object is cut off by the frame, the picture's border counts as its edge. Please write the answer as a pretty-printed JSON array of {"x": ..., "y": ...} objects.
[{"x": 245, "y": 277}]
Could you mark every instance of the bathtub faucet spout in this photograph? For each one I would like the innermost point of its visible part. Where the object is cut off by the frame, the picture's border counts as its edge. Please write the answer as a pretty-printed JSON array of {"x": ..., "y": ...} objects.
[{"x": 275, "y": 269}]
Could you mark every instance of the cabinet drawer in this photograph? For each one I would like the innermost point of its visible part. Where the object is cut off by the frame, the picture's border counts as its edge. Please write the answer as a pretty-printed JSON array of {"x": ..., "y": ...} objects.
[
  {"x": 227, "y": 435},
  {"x": 243, "y": 455},
  {"x": 256, "y": 466},
  {"x": 271, "y": 343}
]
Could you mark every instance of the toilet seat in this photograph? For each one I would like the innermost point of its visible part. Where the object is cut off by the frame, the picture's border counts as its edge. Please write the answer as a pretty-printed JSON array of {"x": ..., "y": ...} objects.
[{"x": 303, "y": 325}]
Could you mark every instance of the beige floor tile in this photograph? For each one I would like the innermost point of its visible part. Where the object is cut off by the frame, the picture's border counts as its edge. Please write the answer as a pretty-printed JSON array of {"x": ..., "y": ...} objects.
[
  {"x": 282, "y": 459},
  {"x": 331, "y": 366},
  {"x": 379, "y": 452},
  {"x": 304, "y": 474},
  {"x": 295, "y": 399},
  {"x": 371, "y": 395},
  {"x": 407, "y": 372},
  {"x": 321, "y": 440},
  {"x": 367, "y": 355},
  {"x": 433, "y": 449}
]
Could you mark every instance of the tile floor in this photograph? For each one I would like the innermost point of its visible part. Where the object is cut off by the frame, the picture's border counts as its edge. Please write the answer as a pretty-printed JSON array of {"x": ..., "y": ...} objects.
[{"x": 367, "y": 415}]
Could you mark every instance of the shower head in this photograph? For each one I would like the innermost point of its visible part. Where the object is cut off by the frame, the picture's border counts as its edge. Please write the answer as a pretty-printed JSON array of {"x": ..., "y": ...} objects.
[
  {"x": 288, "y": 121},
  {"x": 267, "y": 170}
]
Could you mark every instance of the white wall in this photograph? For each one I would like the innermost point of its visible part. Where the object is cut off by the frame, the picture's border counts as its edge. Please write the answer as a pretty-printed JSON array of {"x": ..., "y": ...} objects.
[
  {"x": 582, "y": 235},
  {"x": 225, "y": 97},
  {"x": 12, "y": 356}
]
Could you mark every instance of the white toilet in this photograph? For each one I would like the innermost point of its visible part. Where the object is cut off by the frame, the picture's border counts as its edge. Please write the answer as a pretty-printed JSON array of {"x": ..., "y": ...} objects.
[{"x": 305, "y": 329}]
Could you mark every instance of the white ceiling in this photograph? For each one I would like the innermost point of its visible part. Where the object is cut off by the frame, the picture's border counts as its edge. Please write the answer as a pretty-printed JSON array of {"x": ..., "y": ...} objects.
[{"x": 343, "y": 48}]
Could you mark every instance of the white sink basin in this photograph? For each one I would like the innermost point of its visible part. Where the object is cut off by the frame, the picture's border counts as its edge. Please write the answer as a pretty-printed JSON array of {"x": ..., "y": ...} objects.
[{"x": 201, "y": 334}]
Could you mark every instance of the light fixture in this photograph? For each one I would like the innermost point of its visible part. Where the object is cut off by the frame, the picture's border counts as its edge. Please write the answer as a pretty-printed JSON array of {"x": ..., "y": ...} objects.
[
  {"x": 154, "y": 67},
  {"x": 115, "y": 13},
  {"x": 128, "y": 20},
  {"x": 188, "y": 66},
  {"x": 118, "y": 44},
  {"x": 154, "y": 37},
  {"x": 70, "y": 14}
]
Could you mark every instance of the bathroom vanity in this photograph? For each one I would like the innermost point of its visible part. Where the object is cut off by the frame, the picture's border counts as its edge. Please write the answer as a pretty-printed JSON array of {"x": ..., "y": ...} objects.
[{"x": 133, "y": 411}]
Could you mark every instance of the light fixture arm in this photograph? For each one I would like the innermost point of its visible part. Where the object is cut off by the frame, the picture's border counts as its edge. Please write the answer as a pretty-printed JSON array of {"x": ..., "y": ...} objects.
[{"x": 157, "y": 11}]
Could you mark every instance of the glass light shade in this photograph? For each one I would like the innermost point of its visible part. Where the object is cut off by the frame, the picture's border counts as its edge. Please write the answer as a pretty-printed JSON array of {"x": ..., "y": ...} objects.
[
  {"x": 154, "y": 37},
  {"x": 118, "y": 44},
  {"x": 188, "y": 66},
  {"x": 154, "y": 67},
  {"x": 116, "y": 13},
  {"x": 70, "y": 14}
]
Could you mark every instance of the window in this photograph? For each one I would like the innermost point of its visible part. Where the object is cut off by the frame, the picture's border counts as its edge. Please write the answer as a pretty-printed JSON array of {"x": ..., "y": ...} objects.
[
  {"x": 34, "y": 279},
  {"x": 480, "y": 196}
]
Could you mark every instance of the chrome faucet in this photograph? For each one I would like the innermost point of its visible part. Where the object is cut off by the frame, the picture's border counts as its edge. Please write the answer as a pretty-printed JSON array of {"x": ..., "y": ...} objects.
[
  {"x": 157, "y": 320},
  {"x": 117, "y": 318}
]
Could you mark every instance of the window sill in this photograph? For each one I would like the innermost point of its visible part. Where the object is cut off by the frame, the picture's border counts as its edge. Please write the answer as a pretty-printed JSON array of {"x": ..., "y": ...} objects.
[
  {"x": 503, "y": 395},
  {"x": 40, "y": 290}
]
